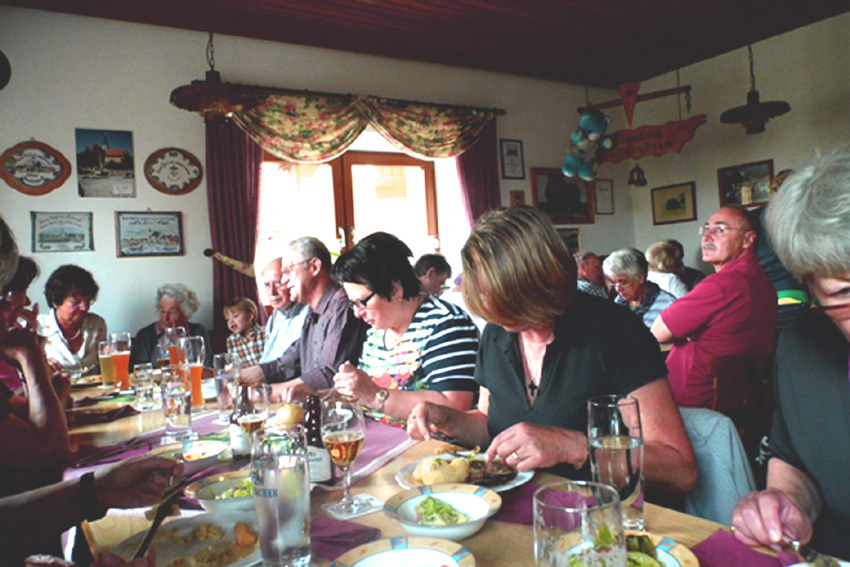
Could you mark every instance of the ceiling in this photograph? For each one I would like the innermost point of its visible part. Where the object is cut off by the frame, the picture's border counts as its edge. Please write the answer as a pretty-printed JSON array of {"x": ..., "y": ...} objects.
[{"x": 601, "y": 43}]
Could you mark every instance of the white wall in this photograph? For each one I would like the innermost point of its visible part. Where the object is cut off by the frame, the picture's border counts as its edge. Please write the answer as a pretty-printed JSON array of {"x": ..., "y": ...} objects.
[{"x": 72, "y": 71}]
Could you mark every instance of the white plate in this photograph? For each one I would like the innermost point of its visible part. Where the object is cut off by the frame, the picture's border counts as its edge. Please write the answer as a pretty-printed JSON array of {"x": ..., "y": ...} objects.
[
  {"x": 404, "y": 477},
  {"x": 842, "y": 563},
  {"x": 167, "y": 548},
  {"x": 418, "y": 551},
  {"x": 670, "y": 552}
]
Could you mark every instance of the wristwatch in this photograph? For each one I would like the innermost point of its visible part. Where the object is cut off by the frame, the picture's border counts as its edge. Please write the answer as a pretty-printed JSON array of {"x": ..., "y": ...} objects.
[{"x": 382, "y": 396}]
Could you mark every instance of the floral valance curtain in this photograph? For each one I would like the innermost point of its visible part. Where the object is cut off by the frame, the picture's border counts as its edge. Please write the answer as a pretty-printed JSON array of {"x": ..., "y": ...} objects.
[{"x": 314, "y": 128}]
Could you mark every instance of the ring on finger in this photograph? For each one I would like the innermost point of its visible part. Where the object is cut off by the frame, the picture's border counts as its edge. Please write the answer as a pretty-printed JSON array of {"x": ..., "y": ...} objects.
[{"x": 515, "y": 456}]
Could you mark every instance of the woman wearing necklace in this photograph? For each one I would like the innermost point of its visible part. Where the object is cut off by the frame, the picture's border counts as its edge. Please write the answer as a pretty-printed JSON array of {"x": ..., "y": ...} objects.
[
  {"x": 545, "y": 351},
  {"x": 70, "y": 330},
  {"x": 419, "y": 347}
]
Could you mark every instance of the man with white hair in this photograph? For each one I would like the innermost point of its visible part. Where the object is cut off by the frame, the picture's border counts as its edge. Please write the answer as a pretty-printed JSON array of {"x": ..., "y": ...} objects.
[{"x": 284, "y": 325}]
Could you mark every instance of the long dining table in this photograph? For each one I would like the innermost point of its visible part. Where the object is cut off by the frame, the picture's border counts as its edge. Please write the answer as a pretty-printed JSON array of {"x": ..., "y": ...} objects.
[{"x": 498, "y": 544}]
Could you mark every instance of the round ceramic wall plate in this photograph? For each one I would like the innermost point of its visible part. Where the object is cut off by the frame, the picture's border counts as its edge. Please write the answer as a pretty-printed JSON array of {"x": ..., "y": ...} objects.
[
  {"x": 34, "y": 168},
  {"x": 173, "y": 171}
]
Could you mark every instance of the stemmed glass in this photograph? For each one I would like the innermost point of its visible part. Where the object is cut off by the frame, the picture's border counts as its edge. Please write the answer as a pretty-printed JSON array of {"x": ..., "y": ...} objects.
[{"x": 343, "y": 432}]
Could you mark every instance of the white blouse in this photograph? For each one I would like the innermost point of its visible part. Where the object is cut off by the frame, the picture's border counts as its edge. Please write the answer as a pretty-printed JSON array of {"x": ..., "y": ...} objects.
[{"x": 56, "y": 345}]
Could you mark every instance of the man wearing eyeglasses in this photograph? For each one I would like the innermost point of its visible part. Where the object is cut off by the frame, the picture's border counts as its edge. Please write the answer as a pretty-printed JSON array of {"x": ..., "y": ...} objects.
[
  {"x": 284, "y": 325},
  {"x": 723, "y": 330},
  {"x": 330, "y": 336}
]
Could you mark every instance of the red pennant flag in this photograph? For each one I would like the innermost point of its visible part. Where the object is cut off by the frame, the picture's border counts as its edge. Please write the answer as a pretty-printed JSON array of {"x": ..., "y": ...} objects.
[{"x": 628, "y": 93}]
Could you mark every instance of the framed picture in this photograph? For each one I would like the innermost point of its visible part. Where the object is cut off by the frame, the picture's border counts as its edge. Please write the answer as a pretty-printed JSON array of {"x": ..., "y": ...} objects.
[
  {"x": 517, "y": 198},
  {"x": 105, "y": 163},
  {"x": 61, "y": 232},
  {"x": 571, "y": 237},
  {"x": 603, "y": 196},
  {"x": 173, "y": 171},
  {"x": 747, "y": 185},
  {"x": 567, "y": 200},
  {"x": 674, "y": 203},
  {"x": 149, "y": 234},
  {"x": 513, "y": 163},
  {"x": 34, "y": 168}
]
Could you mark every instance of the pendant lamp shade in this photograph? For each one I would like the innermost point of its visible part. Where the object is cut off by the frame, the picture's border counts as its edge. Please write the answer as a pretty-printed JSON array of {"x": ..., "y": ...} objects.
[{"x": 755, "y": 114}]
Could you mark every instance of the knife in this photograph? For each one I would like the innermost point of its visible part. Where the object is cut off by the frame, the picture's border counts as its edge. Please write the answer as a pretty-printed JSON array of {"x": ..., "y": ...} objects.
[
  {"x": 161, "y": 510},
  {"x": 809, "y": 555}
]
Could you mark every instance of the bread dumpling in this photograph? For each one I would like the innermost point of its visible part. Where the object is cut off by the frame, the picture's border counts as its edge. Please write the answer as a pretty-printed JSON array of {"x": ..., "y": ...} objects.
[{"x": 436, "y": 471}]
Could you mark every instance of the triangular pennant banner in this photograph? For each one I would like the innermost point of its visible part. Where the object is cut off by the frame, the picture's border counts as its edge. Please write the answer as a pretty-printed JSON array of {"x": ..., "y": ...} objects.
[{"x": 629, "y": 92}]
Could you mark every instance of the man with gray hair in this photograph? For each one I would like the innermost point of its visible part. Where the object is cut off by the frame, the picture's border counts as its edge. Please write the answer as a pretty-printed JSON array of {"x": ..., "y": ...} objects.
[
  {"x": 284, "y": 325},
  {"x": 331, "y": 334},
  {"x": 591, "y": 278}
]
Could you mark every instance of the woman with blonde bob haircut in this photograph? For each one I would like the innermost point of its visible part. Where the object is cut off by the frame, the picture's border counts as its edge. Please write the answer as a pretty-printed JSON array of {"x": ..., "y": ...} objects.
[{"x": 545, "y": 352}]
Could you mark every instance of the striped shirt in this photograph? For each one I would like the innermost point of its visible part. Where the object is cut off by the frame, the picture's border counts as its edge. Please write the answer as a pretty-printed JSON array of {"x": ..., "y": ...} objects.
[
  {"x": 436, "y": 352},
  {"x": 247, "y": 348},
  {"x": 654, "y": 301}
]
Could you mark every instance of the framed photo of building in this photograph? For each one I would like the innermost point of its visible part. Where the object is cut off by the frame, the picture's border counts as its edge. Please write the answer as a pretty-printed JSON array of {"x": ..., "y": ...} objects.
[
  {"x": 149, "y": 234},
  {"x": 61, "y": 232},
  {"x": 745, "y": 185},
  {"x": 567, "y": 200},
  {"x": 105, "y": 163},
  {"x": 513, "y": 162},
  {"x": 674, "y": 203}
]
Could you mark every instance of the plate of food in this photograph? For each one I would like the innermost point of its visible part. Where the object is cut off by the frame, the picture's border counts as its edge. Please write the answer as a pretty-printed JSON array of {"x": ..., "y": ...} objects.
[
  {"x": 468, "y": 467},
  {"x": 87, "y": 381},
  {"x": 419, "y": 551},
  {"x": 658, "y": 551},
  {"x": 223, "y": 540}
]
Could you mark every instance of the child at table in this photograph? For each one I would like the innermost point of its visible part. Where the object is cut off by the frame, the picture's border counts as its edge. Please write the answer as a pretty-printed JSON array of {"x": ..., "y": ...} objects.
[{"x": 248, "y": 337}]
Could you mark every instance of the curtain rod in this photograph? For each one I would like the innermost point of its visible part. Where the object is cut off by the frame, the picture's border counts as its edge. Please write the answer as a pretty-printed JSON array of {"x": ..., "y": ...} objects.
[{"x": 496, "y": 111}]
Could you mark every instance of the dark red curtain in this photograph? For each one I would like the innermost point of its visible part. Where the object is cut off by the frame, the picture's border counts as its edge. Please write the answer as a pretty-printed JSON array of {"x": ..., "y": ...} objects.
[
  {"x": 233, "y": 198},
  {"x": 478, "y": 171}
]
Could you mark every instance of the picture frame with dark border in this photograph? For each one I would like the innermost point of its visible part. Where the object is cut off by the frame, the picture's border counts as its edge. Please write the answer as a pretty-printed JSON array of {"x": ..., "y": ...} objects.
[
  {"x": 567, "y": 200},
  {"x": 674, "y": 203},
  {"x": 513, "y": 161},
  {"x": 745, "y": 185},
  {"x": 140, "y": 234},
  {"x": 517, "y": 198}
]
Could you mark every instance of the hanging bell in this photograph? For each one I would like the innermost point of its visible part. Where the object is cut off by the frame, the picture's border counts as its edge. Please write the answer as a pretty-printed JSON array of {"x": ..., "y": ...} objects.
[{"x": 637, "y": 177}]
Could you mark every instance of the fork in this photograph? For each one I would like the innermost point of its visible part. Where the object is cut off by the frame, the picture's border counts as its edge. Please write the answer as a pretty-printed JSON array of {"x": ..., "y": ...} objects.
[{"x": 809, "y": 555}]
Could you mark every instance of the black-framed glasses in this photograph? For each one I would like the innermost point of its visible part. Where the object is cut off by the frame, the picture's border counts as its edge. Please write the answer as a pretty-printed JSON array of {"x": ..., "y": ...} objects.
[
  {"x": 361, "y": 303},
  {"x": 718, "y": 229}
]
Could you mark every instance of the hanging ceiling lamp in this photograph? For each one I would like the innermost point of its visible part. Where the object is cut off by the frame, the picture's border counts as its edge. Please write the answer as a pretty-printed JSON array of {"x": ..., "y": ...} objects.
[
  {"x": 754, "y": 114},
  {"x": 211, "y": 98}
]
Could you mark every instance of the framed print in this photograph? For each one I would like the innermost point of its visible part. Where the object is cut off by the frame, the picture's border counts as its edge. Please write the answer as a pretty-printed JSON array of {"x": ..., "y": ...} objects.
[
  {"x": 603, "y": 196},
  {"x": 34, "y": 168},
  {"x": 173, "y": 171},
  {"x": 105, "y": 163},
  {"x": 513, "y": 164},
  {"x": 674, "y": 203},
  {"x": 571, "y": 237},
  {"x": 747, "y": 185},
  {"x": 517, "y": 198},
  {"x": 61, "y": 232},
  {"x": 149, "y": 234},
  {"x": 567, "y": 200}
]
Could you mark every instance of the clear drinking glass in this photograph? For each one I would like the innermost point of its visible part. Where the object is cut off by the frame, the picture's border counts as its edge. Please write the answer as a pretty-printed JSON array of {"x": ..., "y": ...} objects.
[
  {"x": 281, "y": 480},
  {"x": 194, "y": 351},
  {"x": 121, "y": 343},
  {"x": 228, "y": 370},
  {"x": 143, "y": 385},
  {"x": 615, "y": 442},
  {"x": 343, "y": 433},
  {"x": 578, "y": 523},
  {"x": 172, "y": 349},
  {"x": 176, "y": 406},
  {"x": 107, "y": 369}
]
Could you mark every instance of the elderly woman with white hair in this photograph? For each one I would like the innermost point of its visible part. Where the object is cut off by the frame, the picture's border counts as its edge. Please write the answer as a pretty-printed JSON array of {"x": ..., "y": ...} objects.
[
  {"x": 808, "y": 495},
  {"x": 664, "y": 264},
  {"x": 627, "y": 269},
  {"x": 176, "y": 304}
]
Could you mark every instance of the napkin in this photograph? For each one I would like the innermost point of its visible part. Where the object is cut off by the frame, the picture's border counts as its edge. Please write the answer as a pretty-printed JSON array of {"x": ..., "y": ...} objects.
[
  {"x": 722, "y": 549},
  {"x": 331, "y": 538},
  {"x": 517, "y": 505},
  {"x": 90, "y": 417}
]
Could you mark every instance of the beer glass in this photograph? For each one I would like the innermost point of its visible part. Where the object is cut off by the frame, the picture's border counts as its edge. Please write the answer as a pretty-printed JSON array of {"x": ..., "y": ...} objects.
[
  {"x": 615, "y": 442},
  {"x": 121, "y": 359},
  {"x": 193, "y": 351},
  {"x": 107, "y": 369},
  {"x": 171, "y": 340},
  {"x": 343, "y": 433}
]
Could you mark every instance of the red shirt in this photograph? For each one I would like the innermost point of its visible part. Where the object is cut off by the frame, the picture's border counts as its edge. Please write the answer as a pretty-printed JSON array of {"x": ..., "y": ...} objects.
[{"x": 728, "y": 318}]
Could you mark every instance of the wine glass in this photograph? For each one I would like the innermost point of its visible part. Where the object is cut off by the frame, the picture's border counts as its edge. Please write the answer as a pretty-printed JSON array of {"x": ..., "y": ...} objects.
[{"x": 343, "y": 432}]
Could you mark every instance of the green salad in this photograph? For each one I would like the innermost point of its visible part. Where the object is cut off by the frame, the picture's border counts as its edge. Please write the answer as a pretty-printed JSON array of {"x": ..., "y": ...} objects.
[
  {"x": 241, "y": 488},
  {"x": 434, "y": 512}
]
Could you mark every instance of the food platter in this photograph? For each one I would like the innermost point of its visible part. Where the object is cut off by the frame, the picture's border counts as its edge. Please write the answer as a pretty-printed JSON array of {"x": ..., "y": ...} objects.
[
  {"x": 670, "y": 552},
  {"x": 404, "y": 477},
  {"x": 419, "y": 551},
  {"x": 182, "y": 538},
  {"x": 87, "y": 381}
]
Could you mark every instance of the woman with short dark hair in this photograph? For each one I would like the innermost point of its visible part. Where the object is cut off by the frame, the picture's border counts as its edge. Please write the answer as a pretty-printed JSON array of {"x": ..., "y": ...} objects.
[
  {"x": 418, "y": 348},
  {"x": 71, "y": 331},
  {"x": 546, "y": 350}
]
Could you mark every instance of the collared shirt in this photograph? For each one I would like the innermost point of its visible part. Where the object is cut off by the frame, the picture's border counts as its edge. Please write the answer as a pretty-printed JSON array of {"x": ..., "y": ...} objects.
[
  {"x": 589, "y": 287},
  {"x": 654, "y": 301},
  {"x": 282, "y": 329},
  {"x": 331, "y": 335},
  {"x": 56, "y": 345},
  {"x": 247, "y": 348}
]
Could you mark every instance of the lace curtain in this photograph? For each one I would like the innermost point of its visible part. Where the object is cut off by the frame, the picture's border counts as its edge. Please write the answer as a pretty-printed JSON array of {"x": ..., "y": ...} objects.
[{"x": 315, "y": 128}]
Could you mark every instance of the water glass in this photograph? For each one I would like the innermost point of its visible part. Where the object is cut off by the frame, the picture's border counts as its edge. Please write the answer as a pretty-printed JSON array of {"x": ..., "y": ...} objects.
[
  {"x": 176, "y": 406},
  {"x": 143, "y": 384},
  {"x": 578, "y": 523},
  {"x": 281, "y": 481},
  {"x": 615, "y": 442},
  {"x": 228, "y": 369},
  {"x": 121, "y": 343},
  {"x": 107, "y": 369}
]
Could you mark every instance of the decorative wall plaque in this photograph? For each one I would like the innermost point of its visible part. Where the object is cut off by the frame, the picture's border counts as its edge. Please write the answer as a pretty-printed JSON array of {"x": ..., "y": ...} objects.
[
  {"x": 173, "y": 171},
  {"x": 34, "y": 168}
]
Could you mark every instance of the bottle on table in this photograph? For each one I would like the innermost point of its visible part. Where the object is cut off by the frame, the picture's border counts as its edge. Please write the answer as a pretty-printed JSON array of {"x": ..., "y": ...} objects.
[{"x": 318, "y": 457}]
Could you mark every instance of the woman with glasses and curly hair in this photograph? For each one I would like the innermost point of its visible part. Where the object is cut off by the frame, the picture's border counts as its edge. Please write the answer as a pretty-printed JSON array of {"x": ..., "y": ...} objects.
[{"x": 546, "y": 350}]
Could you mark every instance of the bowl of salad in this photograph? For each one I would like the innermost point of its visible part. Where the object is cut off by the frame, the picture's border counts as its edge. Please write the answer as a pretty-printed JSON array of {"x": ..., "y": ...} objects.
[
  {"x": 224, "y": 492},
  {"x": 447, "y": 511}
]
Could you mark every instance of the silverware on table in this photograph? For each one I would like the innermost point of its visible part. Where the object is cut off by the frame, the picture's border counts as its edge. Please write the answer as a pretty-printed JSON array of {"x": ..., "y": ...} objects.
[
  {"x": 160, "y": 511},
  {"x": 809, "y": 555},
  {"x": 132, "y": 443}
]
